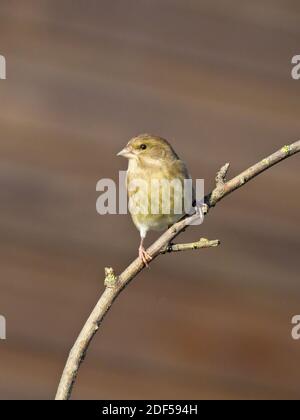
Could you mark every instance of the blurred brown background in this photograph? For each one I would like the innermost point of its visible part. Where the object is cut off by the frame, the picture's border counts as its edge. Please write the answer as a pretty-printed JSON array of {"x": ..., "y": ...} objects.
[{"x": 214, "y": 78}]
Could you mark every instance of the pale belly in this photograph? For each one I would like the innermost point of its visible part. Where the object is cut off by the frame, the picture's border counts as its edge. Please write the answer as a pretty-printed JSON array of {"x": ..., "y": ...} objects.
[{"x": 155, "y": 222}]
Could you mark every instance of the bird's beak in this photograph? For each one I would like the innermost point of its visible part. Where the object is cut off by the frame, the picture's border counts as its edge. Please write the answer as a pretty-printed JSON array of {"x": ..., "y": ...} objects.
[{"x": 126, "y": 152}]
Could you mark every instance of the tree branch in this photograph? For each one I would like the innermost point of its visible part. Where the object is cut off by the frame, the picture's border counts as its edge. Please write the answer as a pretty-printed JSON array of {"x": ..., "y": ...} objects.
[
  {"x": 114, "y": 285},
  {"x": 202, "y": 243}
]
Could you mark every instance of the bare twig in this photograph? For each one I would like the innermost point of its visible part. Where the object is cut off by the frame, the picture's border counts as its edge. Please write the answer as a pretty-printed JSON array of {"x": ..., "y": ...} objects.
[
  {"x": 114, "y": 284},
  {"x": 202, "y": 243},
  {"x": 221, "y": 175}
]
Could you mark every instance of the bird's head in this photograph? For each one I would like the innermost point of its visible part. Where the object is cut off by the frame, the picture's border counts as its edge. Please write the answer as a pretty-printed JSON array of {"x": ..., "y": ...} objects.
[{"x": 148, "y": 148}]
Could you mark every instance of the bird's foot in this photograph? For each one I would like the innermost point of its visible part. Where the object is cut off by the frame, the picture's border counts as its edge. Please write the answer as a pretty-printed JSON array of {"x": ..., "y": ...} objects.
[{"x": 144, "y": 256}]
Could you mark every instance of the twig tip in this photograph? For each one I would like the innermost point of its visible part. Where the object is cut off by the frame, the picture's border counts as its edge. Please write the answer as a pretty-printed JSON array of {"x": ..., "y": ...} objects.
[{"x": 110, "y": 277}]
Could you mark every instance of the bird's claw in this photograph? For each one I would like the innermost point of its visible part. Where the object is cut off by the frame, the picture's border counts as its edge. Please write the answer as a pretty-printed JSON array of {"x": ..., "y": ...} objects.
[{"x": 144, "y": 256}]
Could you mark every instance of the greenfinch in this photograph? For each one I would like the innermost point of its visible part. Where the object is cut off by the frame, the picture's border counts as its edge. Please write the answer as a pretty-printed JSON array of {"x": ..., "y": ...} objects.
[{"x": 156, "y": 186}]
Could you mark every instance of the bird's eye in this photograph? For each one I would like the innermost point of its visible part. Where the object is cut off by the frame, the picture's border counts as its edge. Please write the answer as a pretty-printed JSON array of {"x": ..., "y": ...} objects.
[{"x": 143, "y": 146}]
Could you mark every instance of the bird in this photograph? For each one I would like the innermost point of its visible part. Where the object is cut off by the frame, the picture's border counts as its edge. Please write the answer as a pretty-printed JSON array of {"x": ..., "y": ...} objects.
[{"x": 155, "y": 186}]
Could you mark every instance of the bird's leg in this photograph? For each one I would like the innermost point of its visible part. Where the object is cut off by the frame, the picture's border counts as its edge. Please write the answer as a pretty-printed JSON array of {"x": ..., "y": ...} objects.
[
  {"x": 143, "y": 254},
  {"x": 201, "y": 210}
]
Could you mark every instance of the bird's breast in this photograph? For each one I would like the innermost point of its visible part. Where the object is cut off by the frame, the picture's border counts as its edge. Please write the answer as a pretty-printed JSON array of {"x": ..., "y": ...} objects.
[{"x": 156, "y": 194}]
